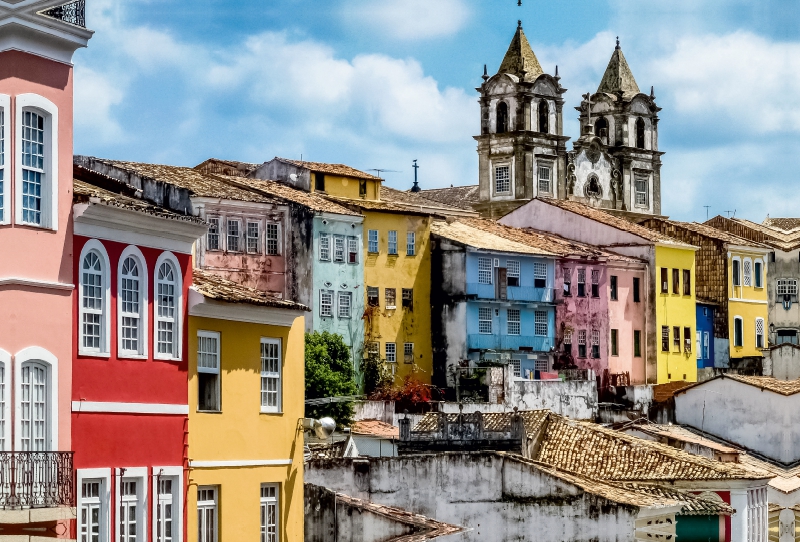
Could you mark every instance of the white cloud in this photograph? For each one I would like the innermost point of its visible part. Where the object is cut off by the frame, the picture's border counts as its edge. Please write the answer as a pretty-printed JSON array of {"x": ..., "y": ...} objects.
[
  {"x": 95, "y": 96},
  {"x": 409, "y": 19}
]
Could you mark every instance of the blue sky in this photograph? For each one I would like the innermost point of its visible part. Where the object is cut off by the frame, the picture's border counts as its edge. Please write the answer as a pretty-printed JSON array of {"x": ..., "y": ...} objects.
[{"x": 379, "y": 83}]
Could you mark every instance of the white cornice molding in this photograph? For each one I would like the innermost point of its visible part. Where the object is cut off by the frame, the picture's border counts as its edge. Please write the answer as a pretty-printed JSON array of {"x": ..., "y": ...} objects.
[
  {"x": 135, "y": 228},
  {"x": 202, "y": 307},
  {"x": 193, "y": 464},
  {"x": 50, "y": 285},
  {"x": 129, "y": 408}
]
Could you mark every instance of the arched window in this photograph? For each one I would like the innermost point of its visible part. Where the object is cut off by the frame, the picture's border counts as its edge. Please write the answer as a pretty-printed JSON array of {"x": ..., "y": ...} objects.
[
  {"x": 502, "y": 117},
  {"x": 738, "y": 331},
  {"x": 37, "y": 161},
  {"x": 601, "y": 128},
  {"x": 640, "y": 133},
  {"x": 544, "y": 117},
  {"x": 132, "y": 303},
  {"x": 34, "y": 407},
  {"x": 167, "y": 307},
  {"x": 92, "y": 302}
]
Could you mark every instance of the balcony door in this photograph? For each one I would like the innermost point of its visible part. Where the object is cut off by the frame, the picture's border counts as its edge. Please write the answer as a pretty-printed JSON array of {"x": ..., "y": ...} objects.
[{"x": 34, "y": 407}]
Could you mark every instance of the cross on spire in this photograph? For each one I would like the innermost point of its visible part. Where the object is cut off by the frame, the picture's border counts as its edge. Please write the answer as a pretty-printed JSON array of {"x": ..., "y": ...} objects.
[{"x": 617, "y": 47}]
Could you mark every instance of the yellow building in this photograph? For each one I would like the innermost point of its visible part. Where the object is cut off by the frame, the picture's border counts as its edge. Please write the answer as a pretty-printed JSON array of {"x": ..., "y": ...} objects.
[
  {"x": 748, "y": 306},
  {"x": 246, "y": 399},
  {"x": 676, "y": 318}
]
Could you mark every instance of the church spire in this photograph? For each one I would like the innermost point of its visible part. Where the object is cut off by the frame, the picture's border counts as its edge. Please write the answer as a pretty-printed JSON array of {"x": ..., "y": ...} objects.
[
  {"x": 618, "y": 76},
  {"x": 520, "y": 59}
]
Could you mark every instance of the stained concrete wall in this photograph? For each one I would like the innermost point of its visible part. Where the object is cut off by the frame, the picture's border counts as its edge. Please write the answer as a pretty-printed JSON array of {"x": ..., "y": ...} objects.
[
  {"x": 736, "y": 412},
  {"x": 498, "y": 498},
  {"x": 782, "y": 362}
]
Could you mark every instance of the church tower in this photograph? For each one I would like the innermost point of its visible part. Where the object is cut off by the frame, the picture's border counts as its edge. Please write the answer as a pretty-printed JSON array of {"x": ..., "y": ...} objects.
[
  {"x": 616, "y": 164},
  {"x": 521, "y": 149}
]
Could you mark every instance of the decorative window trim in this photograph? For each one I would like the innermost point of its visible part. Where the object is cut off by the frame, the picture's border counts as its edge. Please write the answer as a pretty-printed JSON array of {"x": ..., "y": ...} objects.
[
  {"x": 104, "y": 475},
  {"x": 217, "y": 336},
  {"x": 144, "y": 288},
  {"x": 93, "y": 245},
  {"x": 5, "y": 432},
  {"x": 540, "y": 166},
  {"x": 7, "y": 180},
  {"x": 747, "y": 272},
  {"x": 265, "y": 502},
  {"x": 176, "y": 473},
  {"x": 760, "y": 320},
  {"x": 495, "y": 168},
  {"x": 38, "y": 354},
  {"x": 266, "y": 409},
  {"x": 139, "y": 475},
  {"x": 49, "y": 111},
  {"x": 178, "y": 332}
]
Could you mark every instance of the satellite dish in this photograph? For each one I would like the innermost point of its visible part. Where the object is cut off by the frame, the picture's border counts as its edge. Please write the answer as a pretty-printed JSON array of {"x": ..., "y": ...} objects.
[
  {"x": 323, "y": 427},
  {"x": 293, "y": 177}
]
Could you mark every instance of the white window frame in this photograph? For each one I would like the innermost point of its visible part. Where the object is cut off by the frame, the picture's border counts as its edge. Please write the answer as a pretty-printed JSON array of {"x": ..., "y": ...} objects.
[
  {"x": 175, "y": 473},
  {"x": 210, "y": 370},
  {"x": 352, "y": 248},
  {"x": 497, "y": 191},
  {"x": 393, "y": 305},
  {"x": 177, "y": 334},
  {"x": 255, "y": 239},
  {"x": 329, "y": 305},
  {"x": 747, "y": 272},
  {"x": 740, "y": 319},
  {"x": 706, "y": 344},
  {"x": 540, "y": 272},
  {"x": 272, "y": 375},
  {"x": 373, "y": 243},
  {"x": 541, "y": 318},
  {"x": 390, "y": 352},
  {"x": 349, "y": 304},
  {"x": 266, "y": 502},
  {"x": 411, "y": 243},
  {"x": 736, "y": 276},
  {"x": 513, "y": 271},
  {"x": 485, "y": 271},
  {"x": 482, "y": 312},
  {"x": 209, "y": 505},
  {"x": 238, "y": 236},
  {"x": 214, "y": 221},
  {"x": 641, "y": 198},
  {"x": 5, "y": 177},
  {"x": 339, "y": 249},
  {"x": 5, "y": 401},
  {"x": 41, "y": 106},
  {"x": 758, "y": 277},
  {"x": 760, "y": 321},
  {"x": 548, "y": 179},
  {"x": 516, "y": 328},
  {"x": 138, "y": 475},
  {"x": 325, "y": 247},
  {"x": 392, "y": 243},
  {"x": 268, "y": 230},
  {"x": 38, "y": 355},
  {"x": 408, "y": 351},
  {"x": 699, "y": 343},
  {"x": 134, "y": 252},
  {"x": 93, "y": 245},
  {"x": 103, "y": 476}
]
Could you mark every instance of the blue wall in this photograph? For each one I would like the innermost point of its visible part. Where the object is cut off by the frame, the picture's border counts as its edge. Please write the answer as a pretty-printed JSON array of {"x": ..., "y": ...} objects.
[
  {"x": 526, "y": 291},
  {"x": 705, "y": 327}
]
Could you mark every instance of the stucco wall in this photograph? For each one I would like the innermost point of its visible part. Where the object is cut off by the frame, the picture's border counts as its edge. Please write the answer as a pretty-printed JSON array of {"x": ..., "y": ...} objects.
[
  {"x": 498, "y": 498},
  {"x": 783, "y": 362},
  {"x": 736, "y": 412}
]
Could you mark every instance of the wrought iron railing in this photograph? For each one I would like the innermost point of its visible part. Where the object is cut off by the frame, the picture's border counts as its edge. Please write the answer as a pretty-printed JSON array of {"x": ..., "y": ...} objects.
[
  {"x": 72, "y": 13},
  {"x": 36, "y": 480}
]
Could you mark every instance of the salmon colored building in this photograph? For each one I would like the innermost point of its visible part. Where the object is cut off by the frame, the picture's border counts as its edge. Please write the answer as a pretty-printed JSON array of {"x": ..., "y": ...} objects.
[
  {"x": 129, "y": 405},
  {"x": 37, "y": 41}
]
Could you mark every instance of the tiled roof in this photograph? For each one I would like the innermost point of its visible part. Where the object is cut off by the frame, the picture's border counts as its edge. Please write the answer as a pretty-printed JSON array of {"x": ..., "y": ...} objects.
[
  {"x": 785, "y": 224},
  {"x": 281, "y": 191},
  {"x": 678, "y": 432},
  {"x": 776, "y": 237},
  {"x": 612, "y": 220},
  {"x": 226, "y": 167},
  {"x": 220, "y": 289},
  {"x": 331, "y": 169},
  {"x": 492, "y": 421},
  {"x": 455, "y": 196},
  {"x": 588, "y": 449},
  {"x": 415, "y": 200},
  {"x": 326, "y": 450},
  {"x": 714, "y": 233},
  {"x": 364, "y": 205},
  {"x": 478, "y": 238},
  {"x": 374, "y": 428},
  {"x": 84, "y": 192},
  {"x": 782, "y": 387}
]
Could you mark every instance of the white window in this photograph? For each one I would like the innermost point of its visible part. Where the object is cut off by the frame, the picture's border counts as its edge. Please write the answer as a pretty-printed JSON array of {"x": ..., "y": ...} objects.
[
  {"x": 699, "y": 346},
  {"x": 513, "y": 322},
  {"x": 485, "y": 270},
  {"x": 540, "y": 323},
  {"x": 270, "y": 375},
  {"x": 411, "y": 243},
  {"x": 163, "y": 512},
  {"x": 512, "y": 272},
  {"x": 37, "y": 161},
  {"x": 92, "y": 511},
  {"x": 787, "y": 287},
  {"x": 747, "y": 266},
  {"x": 345, "y": 304},
  {"x": 485, "y": 320},
  {"x": 544, "y": 179},
  {"x": 758, "y": 267},
  {"x": 212, "y": 238},
  {"x": 253, "y": 237},
  {"x": 325, "y": 247},
  {"x": 4, "y": 102},
  {"x": 270, "y": 513},
  {"x": 326, "y": 303},
  {"x": 706, "y": 344},
  {"x": 736, "y": 270},
  {"x": 372, "y": 237},
  {"x": 391, "y": 298},
  {"x": 93, "y": 304},
  {"x": 642, "y": 192},
  {"x": 34, "y": 407},
  {"x": 207, "y": 517},
  {"x": 539, "y": 275},
  {"x": 234, "y": 234},
  {"x": 352, "y": 250},
  {"x": 128, "y": 512},
  {"x": 502, "y": 179},
  {"x": 5, "y": 360},
  {"x": 515, "y": 364},
  {"x": 208, "y": 371},
  {"x": 738, "y": 331},
  {"x": 338, "y": 249},
  {"x": 408, "y": 352},
  {"x": 391, "y": 352},
  {"x": 392, "y": 241},
  {"x": 167, "y": 309},
  {"x": 759, "y": 333},
  {"x": 272, "y": 240},
  {"x": 132, "y": 303}
]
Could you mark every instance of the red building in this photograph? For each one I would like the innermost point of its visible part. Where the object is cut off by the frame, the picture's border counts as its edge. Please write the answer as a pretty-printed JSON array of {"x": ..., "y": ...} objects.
[{"x": 132, "y": 269}]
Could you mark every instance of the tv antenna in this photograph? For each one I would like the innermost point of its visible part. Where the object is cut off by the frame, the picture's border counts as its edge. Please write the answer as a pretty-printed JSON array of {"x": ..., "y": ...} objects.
[
  {"x": 729, "y": 213},
  {"x": 380, "y": 170},
  {"x": 707, "y": 208}
]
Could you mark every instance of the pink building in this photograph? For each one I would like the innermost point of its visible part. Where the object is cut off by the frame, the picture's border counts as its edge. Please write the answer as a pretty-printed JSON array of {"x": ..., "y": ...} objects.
[{"x": 37, "y": 41}]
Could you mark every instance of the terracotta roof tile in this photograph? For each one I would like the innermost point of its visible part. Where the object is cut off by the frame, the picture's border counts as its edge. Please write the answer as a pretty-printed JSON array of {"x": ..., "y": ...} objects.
[
  {"x": 492, "y": 421},
  {"x": 227, "y": 167},
  {"x": 364, "y": 205},
  {"x": 281, "y": 191},
  {"x": 332, "y": 169},
  {"x": 714, "y": 233},
  {"x": 374, "y": 428},
  {"x": 416, "y": 201},
  {"x": 782, "y": 387},
  {"x": 220, "y": 289},
  {"x": 326, "y": 450},
  {"x": 784, "y": 224},
  {"x": 456, "y": 196}
]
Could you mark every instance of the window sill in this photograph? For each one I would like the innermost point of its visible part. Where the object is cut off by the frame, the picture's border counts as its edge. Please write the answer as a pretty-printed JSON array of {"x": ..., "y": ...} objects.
[
  {"x": 391, "y": 307},
  {"x": 89, "y": 354},
  {"x": 272, "y": 412},
  {"x": 165, "y": 358},
  {"x": 209, "y": 411},
  {"x": 136, "y": 357}
]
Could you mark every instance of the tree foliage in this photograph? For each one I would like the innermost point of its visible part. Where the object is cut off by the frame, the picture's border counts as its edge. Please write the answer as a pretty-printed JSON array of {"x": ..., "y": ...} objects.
[
  {"x": 329, "y": 373},
  {"x": 377, "y": 376}
]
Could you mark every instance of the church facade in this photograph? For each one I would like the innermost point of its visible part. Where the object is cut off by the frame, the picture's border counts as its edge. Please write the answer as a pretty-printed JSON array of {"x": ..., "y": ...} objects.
[{"x": 522, "y": 151}]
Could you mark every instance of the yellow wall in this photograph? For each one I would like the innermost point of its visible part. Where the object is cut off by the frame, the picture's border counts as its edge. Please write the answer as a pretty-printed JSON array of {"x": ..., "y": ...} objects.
[
  {"x": 675, "y": 310},
  {"x": 384, "y": 271},
  {"x": 747, "y": 302},
  {"x": 347, "y": 187},
  {"x": 241, "y": 432}
]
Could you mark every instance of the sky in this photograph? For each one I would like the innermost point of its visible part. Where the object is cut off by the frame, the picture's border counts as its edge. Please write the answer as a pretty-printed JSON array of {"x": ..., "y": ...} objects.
[{"x": 376, "y": 84}]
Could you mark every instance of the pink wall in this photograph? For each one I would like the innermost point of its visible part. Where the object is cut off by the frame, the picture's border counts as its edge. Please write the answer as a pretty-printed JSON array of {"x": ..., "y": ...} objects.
[
  {"x": 266, "y": 273},
  {"x": 39, "y": 316},
  {"x": 627, "y": 316}
]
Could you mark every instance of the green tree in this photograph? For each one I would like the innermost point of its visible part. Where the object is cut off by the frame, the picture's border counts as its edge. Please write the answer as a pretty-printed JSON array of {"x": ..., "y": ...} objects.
[{"x": 329, "y": 373}]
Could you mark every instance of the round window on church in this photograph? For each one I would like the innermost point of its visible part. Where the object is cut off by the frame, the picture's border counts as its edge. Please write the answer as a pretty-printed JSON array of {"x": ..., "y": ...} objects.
[{"x": 593, "y": 187}]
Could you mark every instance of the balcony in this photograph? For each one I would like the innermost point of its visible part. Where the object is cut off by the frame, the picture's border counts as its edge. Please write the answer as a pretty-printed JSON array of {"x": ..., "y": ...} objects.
[
  {"x": 509, "y": 342},
  {"x": 513, "y": 293},
  {"x": 30, "y": 480},
  {"x": 72, "y": 12}
]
